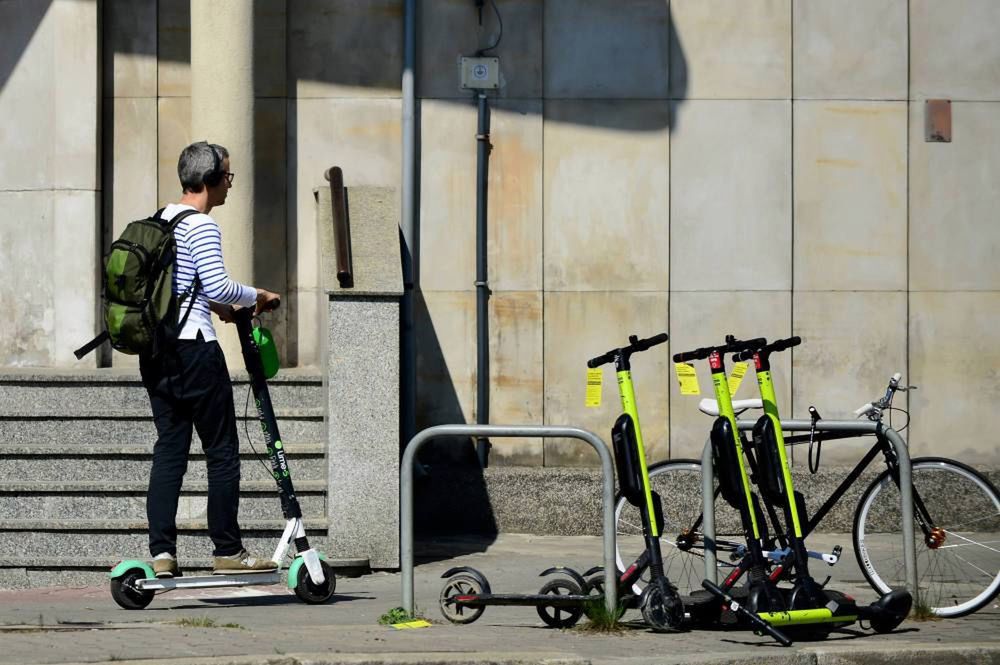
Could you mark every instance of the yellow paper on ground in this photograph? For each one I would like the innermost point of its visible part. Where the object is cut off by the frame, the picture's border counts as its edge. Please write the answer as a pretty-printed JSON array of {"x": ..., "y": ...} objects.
[
  {"x": 688, "y": 378},
  {"x": 736, "y": 376},
  {"x": 594, "y": 378},
  {"x": 409, "y": 625}
]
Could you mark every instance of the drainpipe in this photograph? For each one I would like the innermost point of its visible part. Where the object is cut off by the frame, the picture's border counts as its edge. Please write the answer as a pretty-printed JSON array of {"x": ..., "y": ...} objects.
[
  {"x": 482, "y": 283},
  {"x": 411, "y": 263}
]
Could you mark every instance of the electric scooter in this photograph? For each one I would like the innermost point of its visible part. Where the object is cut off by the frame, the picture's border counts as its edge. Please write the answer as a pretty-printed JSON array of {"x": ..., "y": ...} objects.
[{"x": 133, "y": 583}]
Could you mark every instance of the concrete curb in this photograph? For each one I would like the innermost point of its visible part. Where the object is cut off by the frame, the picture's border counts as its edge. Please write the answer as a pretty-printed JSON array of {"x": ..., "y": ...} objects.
[
  {"x": 424, "y": 658},
  {"x": 953, "y": 655}
]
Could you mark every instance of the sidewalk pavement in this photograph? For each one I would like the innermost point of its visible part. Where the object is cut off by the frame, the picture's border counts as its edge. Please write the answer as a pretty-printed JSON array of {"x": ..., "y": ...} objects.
[{"x": 269, "y": 625}]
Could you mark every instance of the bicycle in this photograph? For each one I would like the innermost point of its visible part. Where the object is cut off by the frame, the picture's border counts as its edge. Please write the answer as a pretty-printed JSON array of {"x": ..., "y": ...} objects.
[{"x": 957, "y": 512}]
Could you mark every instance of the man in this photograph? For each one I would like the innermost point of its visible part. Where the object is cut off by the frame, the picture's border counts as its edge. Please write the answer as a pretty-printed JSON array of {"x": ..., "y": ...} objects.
[{"x": 188, "y": 384}]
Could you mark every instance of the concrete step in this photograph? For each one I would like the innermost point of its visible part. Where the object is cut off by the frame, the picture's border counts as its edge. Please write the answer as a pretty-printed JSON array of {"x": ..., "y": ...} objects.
[
  {"x": 67, "y": 540},
  {"x": 135, "y": 426},
  {"x": 39, "y": 392},
  {"x": 59, "y": 500},
  {"x": 49, "y": 461}
]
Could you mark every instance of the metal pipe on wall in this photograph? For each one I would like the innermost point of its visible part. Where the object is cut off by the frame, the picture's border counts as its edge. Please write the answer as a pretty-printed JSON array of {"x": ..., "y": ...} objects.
[
  {"x": 411, "y": 263},
  {"x": 482, "y": 279}
]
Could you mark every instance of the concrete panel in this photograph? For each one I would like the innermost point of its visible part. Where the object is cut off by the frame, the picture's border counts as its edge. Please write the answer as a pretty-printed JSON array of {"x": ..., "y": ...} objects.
[
  {"x": 173, "y": 135},
  {"x": 954, "y": 52},
  {"x": 74, "y": 260},
  {"x": 448, "y": 196},
  {"x": 954, "y": 240},
  {"x": 607, "y": 175},
  {"x": 850, "y": 196},
  {"x": 446, "y": 368},
  {"x": 450, "y": 29},
  {"x": 74, "y": 133},
  {"x": 130, "y": 48},
  {"x": 173, "y": 29},
  {"x": 596, "y": 49},
  {"x": 270, "y": 229},
  {"x": 730, "y": 197},
  {"x": 730, "y": 50},
  {"x": 581, "y": 325},
  {"x": 361, "y": 136},
  {"x": 367, "y": 38},
  {"x": 704, "y": 319},
  {"x": 133, "y": 145},
  {"x": 851, "y": 49},
  {"x": 516, "y": 373},
  {"x": 269, "y": 61},
  {"x": 51, "y": 310},
  {"x": 954, "y": 359},
  {"x": 852, "y": 343},
  {"x": 25, "y": 134}
]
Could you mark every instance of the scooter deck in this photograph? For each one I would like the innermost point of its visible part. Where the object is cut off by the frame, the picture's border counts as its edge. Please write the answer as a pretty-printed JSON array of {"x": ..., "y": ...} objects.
[
  {"x": 207, "y": 581},
  {"x": 525, "y": 600}
]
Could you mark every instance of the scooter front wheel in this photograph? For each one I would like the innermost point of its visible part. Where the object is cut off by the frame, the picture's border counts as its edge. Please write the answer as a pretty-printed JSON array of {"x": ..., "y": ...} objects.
[
  {"x": 462, "y": 584},
  {"x": 663, "y": 615},
  {"x": 555, "y": 616},
  {"x": 312, "y": 593},
  {"x": 125, "y": 593}
]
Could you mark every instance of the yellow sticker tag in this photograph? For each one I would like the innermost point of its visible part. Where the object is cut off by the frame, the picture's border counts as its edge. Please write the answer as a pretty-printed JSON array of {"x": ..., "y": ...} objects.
[
  {"x": 736, "y": 376},
  {"x": 594, "y": 377},
  {"x": 688, "y": 378},
  {"x": 409, "y": 625}
]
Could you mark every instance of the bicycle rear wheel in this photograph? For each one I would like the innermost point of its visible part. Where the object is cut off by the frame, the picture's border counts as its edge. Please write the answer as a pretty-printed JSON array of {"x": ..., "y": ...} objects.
[
  {"x": 678, "y": 482},
  {"x": 958, "y": 562}
]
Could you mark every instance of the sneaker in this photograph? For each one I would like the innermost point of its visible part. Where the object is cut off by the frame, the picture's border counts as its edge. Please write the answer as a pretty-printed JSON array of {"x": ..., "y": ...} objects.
[
  {"x": 242, "y": 563},
  {"x": 165, "y": 566}
]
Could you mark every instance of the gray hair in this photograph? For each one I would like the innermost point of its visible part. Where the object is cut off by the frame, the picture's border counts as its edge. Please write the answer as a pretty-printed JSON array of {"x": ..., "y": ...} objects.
[{"x": 198, "y": 162}]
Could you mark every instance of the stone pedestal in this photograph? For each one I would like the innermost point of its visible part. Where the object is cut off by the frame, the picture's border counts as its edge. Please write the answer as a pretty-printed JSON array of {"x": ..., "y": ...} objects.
[{"x": 362, "y": 378}]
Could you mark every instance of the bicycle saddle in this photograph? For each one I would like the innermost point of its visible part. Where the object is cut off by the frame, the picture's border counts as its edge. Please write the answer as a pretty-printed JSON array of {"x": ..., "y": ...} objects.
[{"x": 711, "y": 407}]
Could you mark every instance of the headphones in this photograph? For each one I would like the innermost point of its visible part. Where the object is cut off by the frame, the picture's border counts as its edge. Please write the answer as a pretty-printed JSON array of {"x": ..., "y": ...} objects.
[{"x": 214, "y": 177}]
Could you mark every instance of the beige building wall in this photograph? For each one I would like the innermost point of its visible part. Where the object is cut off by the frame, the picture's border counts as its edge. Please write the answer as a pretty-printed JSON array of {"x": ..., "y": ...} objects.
[{"x": 698, "y": 166}]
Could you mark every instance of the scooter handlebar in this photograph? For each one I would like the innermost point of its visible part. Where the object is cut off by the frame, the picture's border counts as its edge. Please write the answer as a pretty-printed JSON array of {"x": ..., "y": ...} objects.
[{"x": 636, "y": 346}]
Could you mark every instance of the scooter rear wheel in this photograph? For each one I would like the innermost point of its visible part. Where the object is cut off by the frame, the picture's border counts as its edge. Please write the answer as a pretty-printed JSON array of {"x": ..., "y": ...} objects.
[
  {"x": 316, "y": 594},
  {"x": 461, "y": 584},
  {"x": 125, "y": 593}
]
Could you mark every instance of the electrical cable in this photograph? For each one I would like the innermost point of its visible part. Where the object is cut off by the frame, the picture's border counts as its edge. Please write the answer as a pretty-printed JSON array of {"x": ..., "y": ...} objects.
[{"x": 483, "y": 51}]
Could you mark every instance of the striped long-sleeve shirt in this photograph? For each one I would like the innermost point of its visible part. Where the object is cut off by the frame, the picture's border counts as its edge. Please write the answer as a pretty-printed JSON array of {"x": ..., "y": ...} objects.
[{"x": 199, "y": 251}]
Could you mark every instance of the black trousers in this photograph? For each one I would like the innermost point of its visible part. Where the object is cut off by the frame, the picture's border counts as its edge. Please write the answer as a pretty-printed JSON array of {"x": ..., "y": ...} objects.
[{"x": 189, "y": 388}]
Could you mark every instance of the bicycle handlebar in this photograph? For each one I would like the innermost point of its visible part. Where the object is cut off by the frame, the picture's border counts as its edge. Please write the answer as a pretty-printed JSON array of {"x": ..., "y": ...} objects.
[
  {"x": 732, "y": 345},
  {"x": 886, "y": 399},
  {"x": 636, "y": 345}
]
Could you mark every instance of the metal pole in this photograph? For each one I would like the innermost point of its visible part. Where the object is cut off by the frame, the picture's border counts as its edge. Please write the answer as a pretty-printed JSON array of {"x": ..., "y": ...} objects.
[
  {"x": 407, "y": 361},
  {"x": 482, "y": 279},
  {"x": 464, "y": 432},
  {"x": 708, "y": 512},
  {"x": 862, "y": 428}
]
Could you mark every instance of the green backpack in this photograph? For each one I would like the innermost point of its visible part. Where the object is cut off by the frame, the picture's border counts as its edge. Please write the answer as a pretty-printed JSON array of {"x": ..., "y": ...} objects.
[{"x": 140, "y": 308}]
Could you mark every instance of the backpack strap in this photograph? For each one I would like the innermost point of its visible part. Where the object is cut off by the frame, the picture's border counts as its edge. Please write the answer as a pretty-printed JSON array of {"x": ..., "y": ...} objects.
[{"x": 91, "y": 345}]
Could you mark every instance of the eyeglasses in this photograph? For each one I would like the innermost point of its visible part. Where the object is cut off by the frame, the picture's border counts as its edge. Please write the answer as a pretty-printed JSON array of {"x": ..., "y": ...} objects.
[{"x": 229, "y": 177}]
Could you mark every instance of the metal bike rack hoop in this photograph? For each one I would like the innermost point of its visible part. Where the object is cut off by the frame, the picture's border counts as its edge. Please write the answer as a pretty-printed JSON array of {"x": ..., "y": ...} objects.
[
  {"x": 500, "y": 431},
  {"x": 862, "y": 429}
]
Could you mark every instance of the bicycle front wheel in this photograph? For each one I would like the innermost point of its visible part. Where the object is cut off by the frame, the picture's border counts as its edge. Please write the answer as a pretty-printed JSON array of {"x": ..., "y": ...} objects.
[
  {"x": 678, "y": 482},
  {"x": 958, "y": 557}
]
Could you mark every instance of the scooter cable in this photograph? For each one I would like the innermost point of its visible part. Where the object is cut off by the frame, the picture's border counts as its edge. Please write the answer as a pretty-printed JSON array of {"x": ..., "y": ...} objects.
[{"x": 246, "y": 429}]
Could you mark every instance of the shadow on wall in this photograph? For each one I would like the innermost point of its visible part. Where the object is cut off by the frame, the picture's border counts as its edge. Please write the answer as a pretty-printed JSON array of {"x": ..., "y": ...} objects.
[{"x": 452, "y": 497}]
